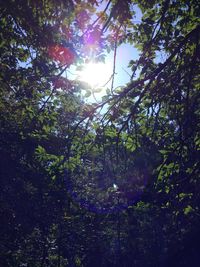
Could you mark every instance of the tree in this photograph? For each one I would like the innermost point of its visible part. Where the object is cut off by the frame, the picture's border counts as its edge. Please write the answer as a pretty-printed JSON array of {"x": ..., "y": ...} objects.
[
  {"x": 74, "y": 181},
  {"x": 32, "y": 144}
]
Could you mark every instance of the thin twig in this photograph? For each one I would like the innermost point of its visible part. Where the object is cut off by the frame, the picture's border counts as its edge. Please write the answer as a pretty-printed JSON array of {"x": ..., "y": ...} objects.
[
  {"x": 98, "y": 18},
  {"x": 114, "y": 58}
]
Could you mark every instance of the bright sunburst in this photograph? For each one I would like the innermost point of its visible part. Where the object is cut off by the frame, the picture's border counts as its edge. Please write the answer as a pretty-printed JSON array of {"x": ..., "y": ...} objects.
[{"x": 96, "y": 74}]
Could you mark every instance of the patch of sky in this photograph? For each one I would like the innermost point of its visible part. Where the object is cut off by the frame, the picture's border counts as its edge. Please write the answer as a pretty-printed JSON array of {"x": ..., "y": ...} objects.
[{"x": 125, "y": 52}]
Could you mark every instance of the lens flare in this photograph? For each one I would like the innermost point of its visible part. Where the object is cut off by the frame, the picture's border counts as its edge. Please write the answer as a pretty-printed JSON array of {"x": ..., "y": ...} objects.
[{"x": 96, "y": 74}]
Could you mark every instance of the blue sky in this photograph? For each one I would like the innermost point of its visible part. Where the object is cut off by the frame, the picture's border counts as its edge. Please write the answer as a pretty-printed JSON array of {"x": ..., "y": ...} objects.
[{"x": 125, "y": 53}]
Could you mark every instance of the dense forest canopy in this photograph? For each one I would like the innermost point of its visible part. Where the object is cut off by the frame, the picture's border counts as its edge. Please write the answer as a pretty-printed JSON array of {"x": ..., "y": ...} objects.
[{"x": 111, "y": 183}]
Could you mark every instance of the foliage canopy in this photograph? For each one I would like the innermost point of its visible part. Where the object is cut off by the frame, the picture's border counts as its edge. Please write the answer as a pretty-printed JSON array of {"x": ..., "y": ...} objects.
[{"x": 113, "y": 183}]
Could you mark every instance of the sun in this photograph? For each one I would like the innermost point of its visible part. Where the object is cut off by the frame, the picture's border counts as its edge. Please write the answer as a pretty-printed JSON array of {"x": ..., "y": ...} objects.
[{"x": 96, "y": 74}]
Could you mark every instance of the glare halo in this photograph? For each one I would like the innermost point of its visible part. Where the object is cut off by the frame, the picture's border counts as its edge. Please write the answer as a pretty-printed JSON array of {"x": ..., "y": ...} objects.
[{"x": 96, "y": 74}]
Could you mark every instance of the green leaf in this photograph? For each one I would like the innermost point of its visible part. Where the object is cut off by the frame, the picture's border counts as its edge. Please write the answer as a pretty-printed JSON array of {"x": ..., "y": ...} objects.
[
  {"x": 188, "y": 210},
  {"x": 88, "y": 93}
]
